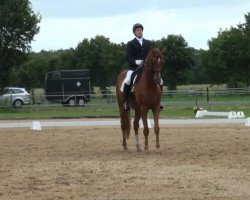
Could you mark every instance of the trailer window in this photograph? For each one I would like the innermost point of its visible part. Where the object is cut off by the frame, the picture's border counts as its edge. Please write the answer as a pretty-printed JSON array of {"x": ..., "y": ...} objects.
[{"x": 56, "y": 75}]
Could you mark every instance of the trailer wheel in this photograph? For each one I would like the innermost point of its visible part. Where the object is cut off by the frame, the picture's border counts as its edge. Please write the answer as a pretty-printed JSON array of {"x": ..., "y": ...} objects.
[
  {"x": 81, "y": 102},
  {"x": 71, "y": 102}
]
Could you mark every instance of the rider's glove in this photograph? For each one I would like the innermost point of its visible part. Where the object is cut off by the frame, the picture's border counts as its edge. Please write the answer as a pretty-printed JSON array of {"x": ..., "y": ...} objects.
[{"x": 138, "y": 62}]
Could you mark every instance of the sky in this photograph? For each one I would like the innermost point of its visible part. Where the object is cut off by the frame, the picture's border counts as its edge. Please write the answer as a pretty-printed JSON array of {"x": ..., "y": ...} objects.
[{"x": 65, "y": 23}]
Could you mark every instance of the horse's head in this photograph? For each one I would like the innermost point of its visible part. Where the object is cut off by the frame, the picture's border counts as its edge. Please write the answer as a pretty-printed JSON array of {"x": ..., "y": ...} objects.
[{"x": 154, "y": 63}]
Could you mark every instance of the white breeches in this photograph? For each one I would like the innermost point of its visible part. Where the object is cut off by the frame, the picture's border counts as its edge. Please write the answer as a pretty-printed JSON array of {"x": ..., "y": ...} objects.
[{"x": 127, "y": 79}]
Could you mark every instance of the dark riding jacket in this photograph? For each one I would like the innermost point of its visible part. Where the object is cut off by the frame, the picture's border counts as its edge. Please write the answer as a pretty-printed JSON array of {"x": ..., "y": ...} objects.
[{"x": 136, "y": 51}]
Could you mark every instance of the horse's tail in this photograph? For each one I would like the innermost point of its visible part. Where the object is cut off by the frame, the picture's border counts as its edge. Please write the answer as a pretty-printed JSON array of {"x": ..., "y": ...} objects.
[{"x": 124, "y": 114}]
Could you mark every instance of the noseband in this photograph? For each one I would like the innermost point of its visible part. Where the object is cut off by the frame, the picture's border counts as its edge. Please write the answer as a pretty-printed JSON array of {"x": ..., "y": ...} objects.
[{"x": 152, "y": 71}]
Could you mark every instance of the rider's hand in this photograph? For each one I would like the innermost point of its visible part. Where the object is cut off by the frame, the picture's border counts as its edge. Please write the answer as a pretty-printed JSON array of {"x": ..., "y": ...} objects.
[{"x": 138, "y": 62}]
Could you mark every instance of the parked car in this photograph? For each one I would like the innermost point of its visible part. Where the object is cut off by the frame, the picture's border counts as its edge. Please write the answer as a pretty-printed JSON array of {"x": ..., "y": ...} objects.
[{"x": 14, "y": 96}]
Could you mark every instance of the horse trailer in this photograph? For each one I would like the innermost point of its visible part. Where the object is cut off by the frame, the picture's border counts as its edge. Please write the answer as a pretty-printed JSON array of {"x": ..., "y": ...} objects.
[{"x": 69, "y": 87}]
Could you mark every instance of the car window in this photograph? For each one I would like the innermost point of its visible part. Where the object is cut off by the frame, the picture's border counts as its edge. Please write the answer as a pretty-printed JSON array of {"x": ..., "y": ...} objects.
[
  {"x": 8, "y": 91},
  {"x": 17, "y": 91}
]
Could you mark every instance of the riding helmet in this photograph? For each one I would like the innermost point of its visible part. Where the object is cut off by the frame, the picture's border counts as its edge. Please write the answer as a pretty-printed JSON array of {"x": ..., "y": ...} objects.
[{"x": 137, "y": 25}]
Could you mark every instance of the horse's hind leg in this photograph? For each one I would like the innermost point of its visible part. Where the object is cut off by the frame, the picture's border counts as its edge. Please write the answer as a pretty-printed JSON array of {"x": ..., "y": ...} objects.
[
  {"x": 156, "y": 113},
  {"x": 123, "y": 128},
  {"x": 136, "y": 128}
]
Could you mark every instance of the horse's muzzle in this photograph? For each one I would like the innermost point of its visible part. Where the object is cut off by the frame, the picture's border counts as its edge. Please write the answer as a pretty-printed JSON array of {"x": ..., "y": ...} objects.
[
  {"x": 157, "y": 81},
  {"x": 157, "y": 78}
]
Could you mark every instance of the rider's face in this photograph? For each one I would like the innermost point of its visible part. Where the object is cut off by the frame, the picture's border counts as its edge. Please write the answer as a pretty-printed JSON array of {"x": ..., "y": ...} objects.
[{"x": 138, "y": 32}]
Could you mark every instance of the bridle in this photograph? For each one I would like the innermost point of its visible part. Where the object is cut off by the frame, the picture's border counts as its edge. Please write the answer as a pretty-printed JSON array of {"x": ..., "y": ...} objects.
[{"x": 151, "y": 71}]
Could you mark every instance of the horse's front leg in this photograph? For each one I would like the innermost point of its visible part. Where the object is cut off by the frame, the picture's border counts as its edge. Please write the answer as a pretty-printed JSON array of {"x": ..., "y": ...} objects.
[
  {"x": 144, "y": 112},
  {"x": 156, "y": 113},
  {"x": 124, "y": 140},
  {"x": 136, "y": 127}
]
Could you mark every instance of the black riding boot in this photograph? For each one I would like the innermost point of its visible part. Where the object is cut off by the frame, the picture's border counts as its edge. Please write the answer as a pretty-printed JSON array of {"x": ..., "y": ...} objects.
[
  {"x": 161, "y": 105},
  {"x": 126, "y": 91}
]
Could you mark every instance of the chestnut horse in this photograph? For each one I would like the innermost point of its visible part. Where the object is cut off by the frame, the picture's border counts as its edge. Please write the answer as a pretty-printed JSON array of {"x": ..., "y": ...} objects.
[{"x": 146, "y": 96}]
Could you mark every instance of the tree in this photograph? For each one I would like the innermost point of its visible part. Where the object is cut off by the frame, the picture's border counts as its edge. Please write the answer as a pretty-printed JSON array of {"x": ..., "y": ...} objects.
[
  {"x": 197, "y": 70},
  {"x": 178, "y": 60},
  {"x": 228, "y": 57},
  {"x": 103, "y": 58},
  {"x": 215, "y": 68},
  {"x": 245, "y": 54},
  {"x": 18, "y": 26},
  {"x": 67, "y": 59},
  {"x": 38, "y": 65}
]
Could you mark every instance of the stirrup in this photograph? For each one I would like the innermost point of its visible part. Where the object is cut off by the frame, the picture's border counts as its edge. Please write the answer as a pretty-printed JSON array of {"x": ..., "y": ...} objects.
[{"x": 126, "y": 106}]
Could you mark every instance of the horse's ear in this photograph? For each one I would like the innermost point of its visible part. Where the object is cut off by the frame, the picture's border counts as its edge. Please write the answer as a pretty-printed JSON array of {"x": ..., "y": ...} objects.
[{"x": 163, "y": 50}]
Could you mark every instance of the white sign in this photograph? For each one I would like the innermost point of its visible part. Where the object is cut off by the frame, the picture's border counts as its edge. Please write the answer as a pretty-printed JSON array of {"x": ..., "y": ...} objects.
[{"x": 78, "y": 84}]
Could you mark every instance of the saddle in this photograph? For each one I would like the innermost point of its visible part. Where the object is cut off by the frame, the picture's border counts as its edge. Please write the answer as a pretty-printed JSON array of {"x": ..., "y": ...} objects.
[{"x": 135, "y": 77}]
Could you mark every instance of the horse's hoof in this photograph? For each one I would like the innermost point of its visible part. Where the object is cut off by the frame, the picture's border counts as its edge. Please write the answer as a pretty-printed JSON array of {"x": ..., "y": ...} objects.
[
  {"x": 138, "y": 148},
  {"x": 158, "y": 150},
  {"x": 125, "y": 149},
  {"x": 146, "y": 149}
]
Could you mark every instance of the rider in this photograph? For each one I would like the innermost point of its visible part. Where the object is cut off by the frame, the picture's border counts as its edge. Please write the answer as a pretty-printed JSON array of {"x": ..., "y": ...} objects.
[{"x": 137, "y": 50}]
